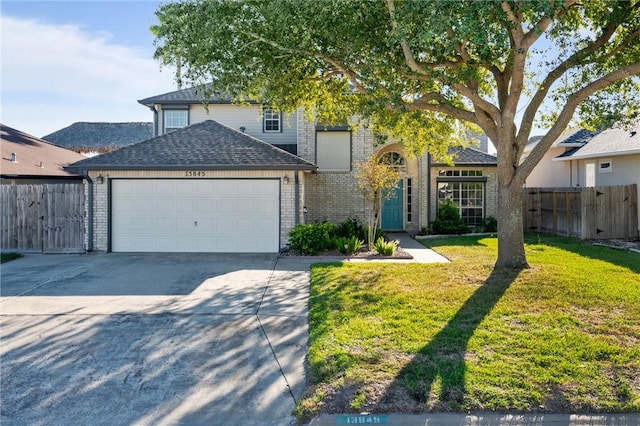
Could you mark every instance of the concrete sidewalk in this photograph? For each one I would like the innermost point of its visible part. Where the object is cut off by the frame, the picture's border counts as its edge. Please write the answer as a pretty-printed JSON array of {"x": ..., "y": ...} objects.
[{"x": 420, "y": 253}]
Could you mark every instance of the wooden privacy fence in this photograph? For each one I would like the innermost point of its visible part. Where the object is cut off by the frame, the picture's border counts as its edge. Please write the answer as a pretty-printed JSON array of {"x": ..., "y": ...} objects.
[
  {"x": 42, "y": 217},
  {"x": 588, "y": 213}
]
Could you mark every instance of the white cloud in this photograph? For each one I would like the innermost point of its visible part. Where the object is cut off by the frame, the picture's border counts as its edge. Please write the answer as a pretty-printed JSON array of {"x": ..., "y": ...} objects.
[{"x": 55, "y": 75}]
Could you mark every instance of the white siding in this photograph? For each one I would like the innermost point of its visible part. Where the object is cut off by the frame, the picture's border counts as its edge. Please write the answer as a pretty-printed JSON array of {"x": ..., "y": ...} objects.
[{"x": 247, "y": 116}]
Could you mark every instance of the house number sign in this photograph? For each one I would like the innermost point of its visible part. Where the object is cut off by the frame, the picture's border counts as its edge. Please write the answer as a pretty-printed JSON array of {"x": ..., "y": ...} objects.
[{"x": 195, "y": 173}]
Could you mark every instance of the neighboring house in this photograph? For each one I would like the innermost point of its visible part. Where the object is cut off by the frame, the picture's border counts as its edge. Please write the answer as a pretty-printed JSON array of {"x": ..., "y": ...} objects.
[
  {"x": 95, "y": 138},
  {"x": 238, "y": 178},
  {"x": 550, "y": 173},
  {"x": 27, "y": 159},
  {"x": 582, "y": 158}
]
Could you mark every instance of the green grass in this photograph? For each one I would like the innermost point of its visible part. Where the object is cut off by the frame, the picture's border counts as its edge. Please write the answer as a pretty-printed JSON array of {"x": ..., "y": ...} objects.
[
  {"x": 562, "y": 336},
  {"x": 6, "y": 257}
]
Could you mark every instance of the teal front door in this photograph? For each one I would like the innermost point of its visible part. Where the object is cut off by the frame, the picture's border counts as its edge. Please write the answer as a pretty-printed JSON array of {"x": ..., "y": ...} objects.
[{"x": 392, "y": 210}]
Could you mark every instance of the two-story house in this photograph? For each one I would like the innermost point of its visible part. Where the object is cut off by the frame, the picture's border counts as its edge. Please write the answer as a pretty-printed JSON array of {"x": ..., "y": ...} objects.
[{"x": 223, "y": 177}]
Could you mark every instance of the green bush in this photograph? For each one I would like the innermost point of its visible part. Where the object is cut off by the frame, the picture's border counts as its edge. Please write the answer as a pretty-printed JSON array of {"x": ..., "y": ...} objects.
[
  {"x": 352, "y": 227},
  {"x": 490, "y": 224},
  {"x": 311, "y": 239},
  {"x": 448, "y": 220},
  {"x": 385, "y": 248},
  {"x": 348, "y": 245}
]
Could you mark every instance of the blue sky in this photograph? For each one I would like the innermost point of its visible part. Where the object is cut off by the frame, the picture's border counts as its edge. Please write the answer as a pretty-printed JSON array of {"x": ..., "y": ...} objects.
[{"x": 68, "y": 61}]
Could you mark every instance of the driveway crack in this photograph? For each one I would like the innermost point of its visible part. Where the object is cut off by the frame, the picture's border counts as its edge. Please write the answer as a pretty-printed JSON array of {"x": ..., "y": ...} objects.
[{"x": 275, "y": 356}]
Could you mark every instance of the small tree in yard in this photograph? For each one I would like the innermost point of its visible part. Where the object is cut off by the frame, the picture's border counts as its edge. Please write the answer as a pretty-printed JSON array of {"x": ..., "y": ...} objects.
[{"x": 375, "y": 182}]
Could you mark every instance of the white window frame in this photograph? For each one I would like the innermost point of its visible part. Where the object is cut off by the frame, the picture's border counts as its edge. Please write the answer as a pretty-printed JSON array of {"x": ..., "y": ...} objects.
[
  {"x": 172, "y": 120},
  {"x": 605, "y": 165},
  {"x": 271, "y": 121},
  {"x": 457, "y": 191}
]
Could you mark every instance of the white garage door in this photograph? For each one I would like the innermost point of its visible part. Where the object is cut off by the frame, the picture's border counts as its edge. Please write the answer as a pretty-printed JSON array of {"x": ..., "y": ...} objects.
[{"x": 191, "y": 215}]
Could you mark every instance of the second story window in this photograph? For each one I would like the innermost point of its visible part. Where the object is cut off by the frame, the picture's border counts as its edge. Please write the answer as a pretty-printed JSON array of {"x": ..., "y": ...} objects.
[
  {"x": 272, "y": 121},
  {"x": 175, "y": 119}
]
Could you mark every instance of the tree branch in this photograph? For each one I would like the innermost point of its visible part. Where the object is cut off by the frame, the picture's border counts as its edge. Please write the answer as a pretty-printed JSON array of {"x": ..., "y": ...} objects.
[
  {"x": 567, "y": 113},
  {"x": 406, "y": 50},
  {"x": 459, "y": 113},
  {"x": 559, "y": 71}
]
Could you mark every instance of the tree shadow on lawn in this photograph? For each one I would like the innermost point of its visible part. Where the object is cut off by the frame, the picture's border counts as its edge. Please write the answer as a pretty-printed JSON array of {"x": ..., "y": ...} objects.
[
  {"x": 436, "y": 375},
  {"x": 434, "y": 379}
]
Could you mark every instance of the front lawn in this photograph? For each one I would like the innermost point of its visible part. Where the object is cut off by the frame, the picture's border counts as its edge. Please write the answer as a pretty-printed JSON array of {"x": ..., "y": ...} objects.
[{"x": 563, "y": 336}]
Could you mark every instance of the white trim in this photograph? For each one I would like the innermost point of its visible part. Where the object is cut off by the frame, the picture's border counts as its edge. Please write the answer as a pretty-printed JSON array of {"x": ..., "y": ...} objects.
[
  {"x": 605, "y": 162},
  {"x": 598, "y": 154}
]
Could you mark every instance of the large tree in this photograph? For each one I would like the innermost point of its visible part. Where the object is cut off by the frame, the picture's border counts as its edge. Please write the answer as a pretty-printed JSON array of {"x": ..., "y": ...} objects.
[{"x": 423, "y": 71}]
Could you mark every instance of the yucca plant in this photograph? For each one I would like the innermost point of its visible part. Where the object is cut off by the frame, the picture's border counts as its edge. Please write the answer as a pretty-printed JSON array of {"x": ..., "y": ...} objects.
[
  {"x": 348, "y": 245},
  {"x": 385, "y": 248}
]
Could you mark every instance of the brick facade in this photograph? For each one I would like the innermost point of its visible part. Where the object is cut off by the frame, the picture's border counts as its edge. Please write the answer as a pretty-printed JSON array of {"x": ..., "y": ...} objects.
[
  {"x": 322, "y": 195},
  {"x": 334, "y": 196}
]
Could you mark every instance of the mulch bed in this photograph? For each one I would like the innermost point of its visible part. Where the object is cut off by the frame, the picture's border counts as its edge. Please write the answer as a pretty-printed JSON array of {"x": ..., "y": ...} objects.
[{"x": 361, "y": 254}]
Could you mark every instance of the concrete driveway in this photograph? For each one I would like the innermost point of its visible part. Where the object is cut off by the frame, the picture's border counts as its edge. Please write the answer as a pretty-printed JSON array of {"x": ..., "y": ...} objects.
[{"x": 152, "y": 339}]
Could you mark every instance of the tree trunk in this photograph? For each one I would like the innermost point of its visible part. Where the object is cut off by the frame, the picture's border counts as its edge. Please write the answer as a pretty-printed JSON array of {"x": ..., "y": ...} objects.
[{"x": 510, "y": 228}]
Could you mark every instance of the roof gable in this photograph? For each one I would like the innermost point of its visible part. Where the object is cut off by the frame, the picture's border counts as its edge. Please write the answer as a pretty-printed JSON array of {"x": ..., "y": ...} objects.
[
  {"x": 34, "y": 157},
  {"x": 609, "y": 142},
  {"x": 208, "y": 145}
]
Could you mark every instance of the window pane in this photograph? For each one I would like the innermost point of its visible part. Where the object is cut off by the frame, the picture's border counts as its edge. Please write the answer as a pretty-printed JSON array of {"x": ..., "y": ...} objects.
[
  {"x": 333, "y": 151},
  {"x": 175, "y": 119},
  {"x": 468, "y": 196},
  {"x": 271, "y": 121}
]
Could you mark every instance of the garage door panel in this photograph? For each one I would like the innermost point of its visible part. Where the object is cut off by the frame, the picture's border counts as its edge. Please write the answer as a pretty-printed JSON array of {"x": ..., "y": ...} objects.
[
  {"x": 186, "y": 207},
  {"x": 166, "y": 205},
  {"x": 205, "y": 206},
  {"x": 206, "y": 215},
  {"x": 206, "y": 226},
  {"x": 185, "y": 226}
]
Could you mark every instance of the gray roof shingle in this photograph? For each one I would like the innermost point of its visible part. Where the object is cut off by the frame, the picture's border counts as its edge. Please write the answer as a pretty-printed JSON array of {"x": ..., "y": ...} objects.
[
  {"x": 96, "y": 136},
  {"x": 469, "y": 157},
  {"x": 191, "y": 95},
  {"x": 208, "y": 145},
  {"x": 614, "y": 141},
  {"x": 576, "y": 138}
]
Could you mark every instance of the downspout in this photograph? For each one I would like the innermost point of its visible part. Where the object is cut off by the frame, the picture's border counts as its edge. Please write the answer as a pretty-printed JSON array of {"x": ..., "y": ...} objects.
[
  {"x": 296, "y": 195},
  {"x": 428, "y": 189},
  {"x": 155, "y": 120},
  {"x": 89, "y": 212},
  {"x": 570, "y": 172}
]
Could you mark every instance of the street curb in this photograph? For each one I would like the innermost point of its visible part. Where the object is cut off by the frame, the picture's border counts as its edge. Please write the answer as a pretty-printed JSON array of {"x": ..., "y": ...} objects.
[{"x": 492, "y": 419}]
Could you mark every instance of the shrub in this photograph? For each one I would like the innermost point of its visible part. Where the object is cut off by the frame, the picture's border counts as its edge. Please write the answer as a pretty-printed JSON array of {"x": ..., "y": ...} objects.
[
  {"x": 490, "y": 224},
  {"x": 311, "y": 239},
  {"x": 348, "y": 245},
  {"x": 448, "y": 220},
  {"x": 385, "y": 248},
  {"x": 352, "y": 227}
]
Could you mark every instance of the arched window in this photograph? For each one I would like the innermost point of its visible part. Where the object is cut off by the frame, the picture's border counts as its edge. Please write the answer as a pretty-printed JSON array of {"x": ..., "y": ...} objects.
[{"x": 393, "y": 159}]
